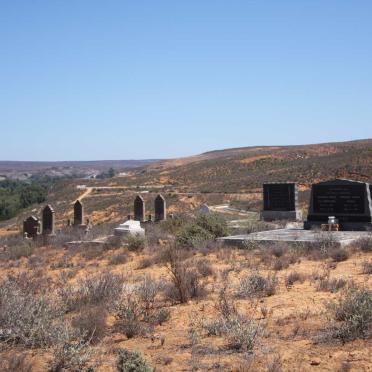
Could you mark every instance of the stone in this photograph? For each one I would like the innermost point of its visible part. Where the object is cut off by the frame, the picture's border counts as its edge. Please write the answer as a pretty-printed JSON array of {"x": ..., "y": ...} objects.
[
  {"x": 280, "y": 202},
  {"x": 48, "y": 220},
  {"x": 31, "y": 226},
  {"x": 129, "y": 227},
  {"x": 78, "y": 213},
  {"x": 139, "y": 208},
  {"x": 160, "y": 208},
  {"x": 349, "y": 202}
]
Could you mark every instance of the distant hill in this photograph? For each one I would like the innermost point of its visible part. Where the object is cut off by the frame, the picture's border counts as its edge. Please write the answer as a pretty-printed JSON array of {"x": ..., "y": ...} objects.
[
  {"x": 22, "y": 169},
  {"x": 241, "y": 169}
]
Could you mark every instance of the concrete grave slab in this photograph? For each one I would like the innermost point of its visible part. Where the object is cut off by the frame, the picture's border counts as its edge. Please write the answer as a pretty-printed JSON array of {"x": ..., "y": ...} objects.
[{"x": 296, "y": 235}]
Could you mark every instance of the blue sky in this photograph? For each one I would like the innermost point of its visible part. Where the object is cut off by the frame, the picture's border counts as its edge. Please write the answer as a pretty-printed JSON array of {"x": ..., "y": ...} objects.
[{"x": 86, "y": 79}]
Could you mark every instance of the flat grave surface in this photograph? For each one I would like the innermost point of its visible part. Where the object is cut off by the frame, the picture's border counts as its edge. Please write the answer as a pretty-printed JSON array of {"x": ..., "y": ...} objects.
[{"x": 298, "y": 235}]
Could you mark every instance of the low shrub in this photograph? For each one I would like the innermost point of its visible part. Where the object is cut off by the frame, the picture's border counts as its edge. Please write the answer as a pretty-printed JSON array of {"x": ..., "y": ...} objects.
[
  {"x": 352, "y": 317},
  {"x": 16, "y": 363},
  {"x": 280, "y": 263},
  {"x": 71, "y": 357},
  {"x": 214, "y": 223},
  {"x": 205, "y": 227},
  {"x": 367, "y": 267},
  {"x": 241, "y": 333},
  {"x": 292, "y": 278},
  {"x": 135, "y": 242},
  {"x": 102, "y": 289},
  {"x": 28, "y": 317},
  {"x": 326, "y": 284},
  {"x": 185, "y": 279},
  {"x": 24, "y": 248},
  {"x": 147, "y": 292},
  {"x": 204, "y": 268},
  {"x": 338, "y": 254},
  {"x": 91, "y": 324},
  {"x": 255, "y": 285},
  {"x": 192, "y": 235},
  {"x": 119, "y": 259},
  {"x": 131, "y": 361},
  {"x": 158, "y": 317}
]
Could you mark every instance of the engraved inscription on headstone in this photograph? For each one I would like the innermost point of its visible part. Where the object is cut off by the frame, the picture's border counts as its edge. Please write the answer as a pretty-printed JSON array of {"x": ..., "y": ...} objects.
[
  {"x": 48, "y": 220},
  {"x": 31, "y": 227},
  {"x": 78, "y": 213},
  {"x": 349, "y": 201},
  {"x": 280, "y": 202},
  {"x": 279, "y": 196},
  {"x": 139, "y": 208},
  {"x": 160, "y": 208}
]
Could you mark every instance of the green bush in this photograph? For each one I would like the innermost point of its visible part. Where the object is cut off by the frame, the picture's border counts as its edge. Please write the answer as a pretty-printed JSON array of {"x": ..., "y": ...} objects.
[
  {"x": 215, "y": 224},
  {"x": 131, "y": 361},
  {"x": 192, "y": 235},
  {"x": 135, "y": 242},
  {"x": 203, "y": 228}
]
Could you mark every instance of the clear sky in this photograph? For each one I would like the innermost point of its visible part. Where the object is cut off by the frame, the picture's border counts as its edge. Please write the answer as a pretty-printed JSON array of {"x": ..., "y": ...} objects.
[{"x": 133, "y": 79}]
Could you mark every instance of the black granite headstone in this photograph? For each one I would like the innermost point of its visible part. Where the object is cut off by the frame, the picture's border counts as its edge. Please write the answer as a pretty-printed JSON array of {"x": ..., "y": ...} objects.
[
  {"x": 160, "y": 208},
  {"x": 348, "y": 201},
  {"x": 280, "y": 201},
  {"x": 139, "y": 208},
  {"x": 279, "y": 196}
]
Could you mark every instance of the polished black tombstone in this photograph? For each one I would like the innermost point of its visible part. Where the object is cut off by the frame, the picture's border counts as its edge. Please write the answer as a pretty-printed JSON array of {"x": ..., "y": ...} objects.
[
  {"x": 348, "y": 201},
  {"x": 280, "y": 201}
]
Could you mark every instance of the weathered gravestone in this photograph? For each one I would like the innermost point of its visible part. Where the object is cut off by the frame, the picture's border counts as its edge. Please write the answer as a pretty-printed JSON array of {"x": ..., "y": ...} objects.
[
  {"x": 48, "y": 220},
  {"x": 160, "y": 208},
  {"x": 31, "y": 226},
  {"x": 348, "y": 201},
  {"x": 139, "y": 208},
  {"x": 280, "y": 202},
  {"x": 78, "y": 213}
]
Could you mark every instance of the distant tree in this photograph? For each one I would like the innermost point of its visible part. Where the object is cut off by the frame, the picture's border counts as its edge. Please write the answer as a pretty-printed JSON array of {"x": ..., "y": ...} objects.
[{"x": 111, "y": 173}]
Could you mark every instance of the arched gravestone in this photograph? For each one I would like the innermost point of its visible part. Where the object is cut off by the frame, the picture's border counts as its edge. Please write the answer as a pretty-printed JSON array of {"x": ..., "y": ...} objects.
[
  {"x": 78, "y": 213},
  {"x": 139, "y": 208},
  {"x": 160, "y": 208},
  {"x": 348, "y": 201},
  {"x": 48, "y": 220},
  {"x": 31, "y": 226},
  {"x": 280, "y": 202}
]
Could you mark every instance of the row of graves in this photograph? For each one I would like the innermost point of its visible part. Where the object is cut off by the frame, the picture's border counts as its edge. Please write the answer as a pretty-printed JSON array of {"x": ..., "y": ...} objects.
[
  {"x": 341, "y": 207},
  {"x": 33, "y": 227}
]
